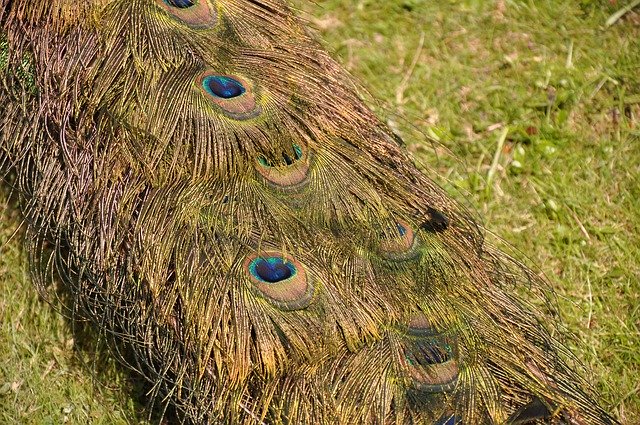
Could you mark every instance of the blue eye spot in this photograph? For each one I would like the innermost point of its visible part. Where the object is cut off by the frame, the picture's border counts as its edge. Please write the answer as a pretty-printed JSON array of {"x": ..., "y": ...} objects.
[
  {"x": 279, "y": 279},
  {"x": 271, "y": 269},
  {"x": 390, "y": 233},
  {"x": 298, "y": 151},
  {"x": 180, "y": 4},
  {"x": 223, "y": 87},
  {"x": 263, "y": 161}
]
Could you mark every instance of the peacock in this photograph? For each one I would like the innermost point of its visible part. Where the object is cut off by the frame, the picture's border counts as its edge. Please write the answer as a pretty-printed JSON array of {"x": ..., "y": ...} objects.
[{"x": 248, "y": 236}]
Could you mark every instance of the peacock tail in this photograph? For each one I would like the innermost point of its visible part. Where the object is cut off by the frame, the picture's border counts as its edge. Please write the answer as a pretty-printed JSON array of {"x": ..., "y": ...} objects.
[{"x": 209, "y": 186}]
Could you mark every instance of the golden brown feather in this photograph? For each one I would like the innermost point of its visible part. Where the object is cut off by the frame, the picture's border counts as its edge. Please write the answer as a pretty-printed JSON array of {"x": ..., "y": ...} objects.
[{"x": 220, "y": 202}]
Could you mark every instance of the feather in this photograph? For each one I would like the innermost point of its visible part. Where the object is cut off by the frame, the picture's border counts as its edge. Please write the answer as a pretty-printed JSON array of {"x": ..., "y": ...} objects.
[{"x": 218, "y": 200}]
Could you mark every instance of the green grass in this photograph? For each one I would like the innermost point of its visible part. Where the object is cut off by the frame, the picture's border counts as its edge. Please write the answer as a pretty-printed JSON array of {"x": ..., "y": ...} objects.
[{"x": 547, "y": 78}]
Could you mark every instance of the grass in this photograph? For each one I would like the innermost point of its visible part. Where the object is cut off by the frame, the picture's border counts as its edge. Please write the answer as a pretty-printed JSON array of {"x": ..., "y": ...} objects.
[{"x": 535, "y": 107}]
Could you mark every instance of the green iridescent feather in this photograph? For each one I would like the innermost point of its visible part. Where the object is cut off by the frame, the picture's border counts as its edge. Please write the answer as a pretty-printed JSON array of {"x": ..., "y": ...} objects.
[{"x": 210, "y": 188}]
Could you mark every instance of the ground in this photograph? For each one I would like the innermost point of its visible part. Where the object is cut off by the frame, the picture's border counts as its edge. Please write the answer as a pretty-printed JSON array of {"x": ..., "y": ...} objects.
[{"x": 528, "y": 112}]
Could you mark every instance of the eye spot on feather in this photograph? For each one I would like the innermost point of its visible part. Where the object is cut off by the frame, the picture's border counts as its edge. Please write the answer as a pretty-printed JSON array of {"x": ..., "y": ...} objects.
[
  {"x": 279, "y": 279},
  {"x": 399, "y": 242},
  {"x": 181, "y": 4},
  {"x": 223, "y": 86},
  {"x": 196, "y": 14},
  {"x": 231, "y": 93},
  {"x": 272, "y": 270},
  {"x": 290, "y": 172},
  {"x": 430, "y": 357}
]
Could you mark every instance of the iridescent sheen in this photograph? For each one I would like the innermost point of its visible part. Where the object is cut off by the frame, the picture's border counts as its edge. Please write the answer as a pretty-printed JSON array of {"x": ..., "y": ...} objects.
[
  {"x": 223, "y": 86},
  {"x": 180, "y": 4}
]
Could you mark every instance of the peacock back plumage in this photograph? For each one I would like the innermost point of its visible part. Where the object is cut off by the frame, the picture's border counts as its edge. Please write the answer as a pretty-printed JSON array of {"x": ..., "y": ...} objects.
[{"x": 221, "y": 204}]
